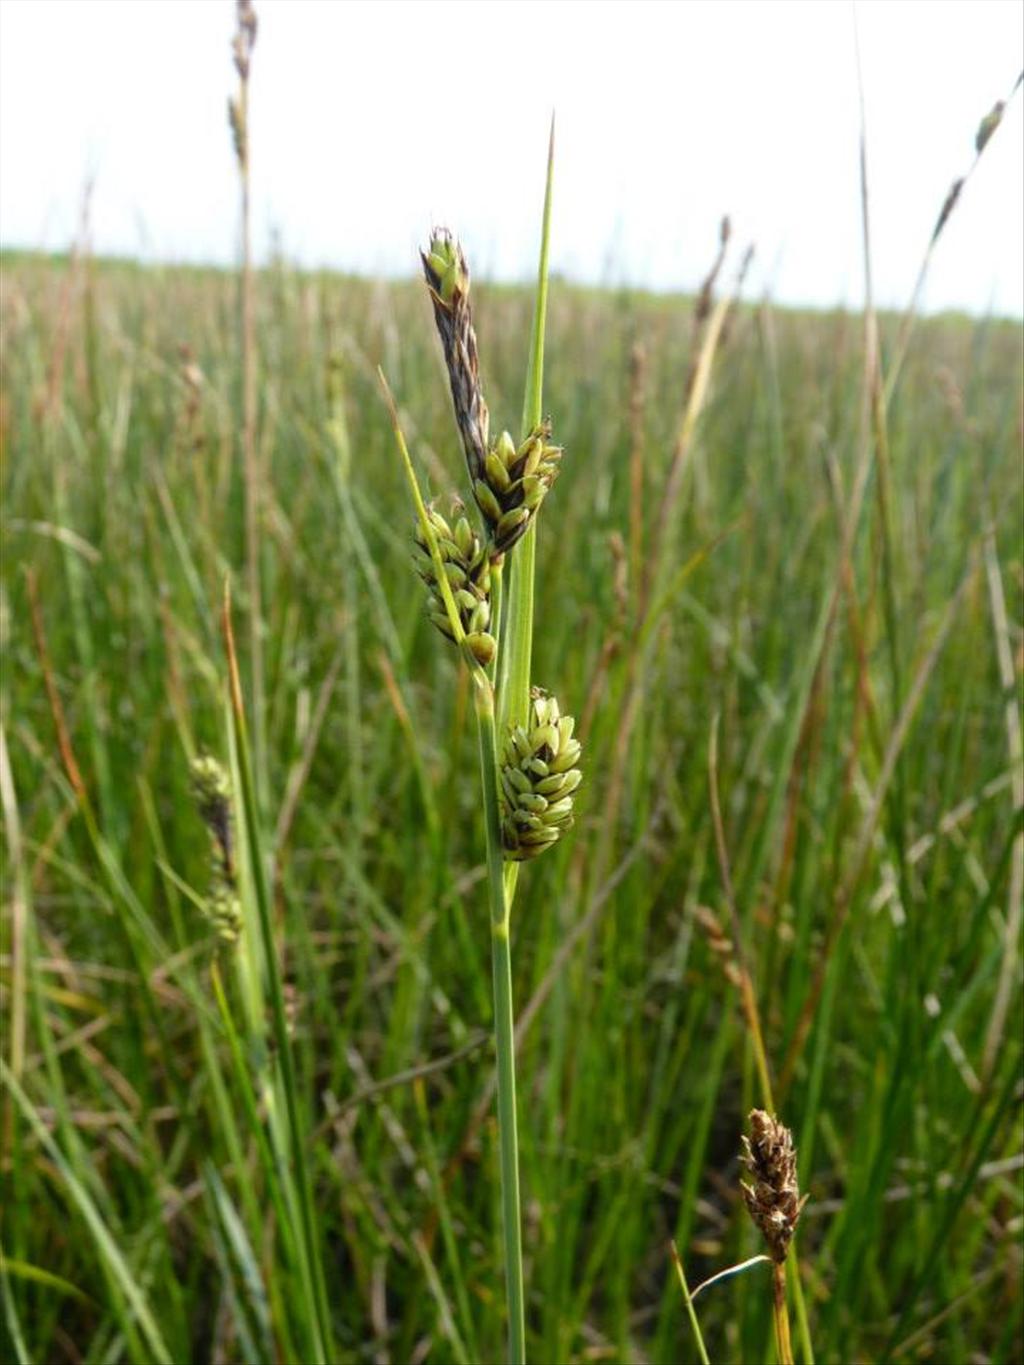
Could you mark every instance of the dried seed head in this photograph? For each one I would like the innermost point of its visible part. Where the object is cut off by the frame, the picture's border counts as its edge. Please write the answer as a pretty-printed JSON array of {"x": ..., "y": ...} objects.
[
  {"x": 211, "y": 788},
  {"x": 705, "y": 298},
  {"x": 245, "y": 38},
  {"x": 241, "y": 49},
  {"x": 538, "y": 777},
  {"x": 719, "y": 942},
  {"x": 467, "y": 567},
  {"x": 447, "y": 276},
  {"x": 772, "y": 1198}
]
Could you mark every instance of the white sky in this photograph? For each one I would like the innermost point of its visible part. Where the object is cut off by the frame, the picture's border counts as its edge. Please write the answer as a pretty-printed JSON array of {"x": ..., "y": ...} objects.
[{"x": 371, "y": 121}]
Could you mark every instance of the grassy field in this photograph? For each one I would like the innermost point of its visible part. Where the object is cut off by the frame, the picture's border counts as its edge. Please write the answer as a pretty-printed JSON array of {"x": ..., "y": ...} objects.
[{"x": 841, "y": 597}]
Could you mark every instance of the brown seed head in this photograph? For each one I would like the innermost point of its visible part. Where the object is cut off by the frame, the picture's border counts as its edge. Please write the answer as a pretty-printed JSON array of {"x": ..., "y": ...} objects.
[
  {"x": 772, "y": 1198},
  {"x": 245, "y": 38}
]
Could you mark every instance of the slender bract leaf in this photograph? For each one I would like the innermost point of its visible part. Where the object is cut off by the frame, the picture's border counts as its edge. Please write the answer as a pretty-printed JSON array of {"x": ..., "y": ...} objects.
[{"x": 516, "y": 644}]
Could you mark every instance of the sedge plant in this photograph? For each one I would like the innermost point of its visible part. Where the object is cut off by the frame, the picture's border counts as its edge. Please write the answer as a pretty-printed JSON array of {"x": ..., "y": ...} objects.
[{"x": 528, "y": 753}]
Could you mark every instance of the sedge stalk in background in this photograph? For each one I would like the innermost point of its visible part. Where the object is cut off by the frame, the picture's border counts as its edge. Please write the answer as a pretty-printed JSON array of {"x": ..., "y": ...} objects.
[{"x": 238, "y": 120}]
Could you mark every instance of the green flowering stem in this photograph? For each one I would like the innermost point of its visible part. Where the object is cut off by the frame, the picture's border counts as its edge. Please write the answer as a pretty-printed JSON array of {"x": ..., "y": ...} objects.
[
  {"x": 504, "y": 1040},
  {"x": 508, "y": 675},
  {"x": 516, "y": 643}
]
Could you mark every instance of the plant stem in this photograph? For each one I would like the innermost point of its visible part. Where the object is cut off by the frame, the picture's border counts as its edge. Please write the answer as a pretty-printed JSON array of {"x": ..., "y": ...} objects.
[
  {"x": 508, "y": 1138},
  {"x": 800, "y": 1304},
  {"x": 780, "y": 1314},
  {"x": 504, "y": 1039}
]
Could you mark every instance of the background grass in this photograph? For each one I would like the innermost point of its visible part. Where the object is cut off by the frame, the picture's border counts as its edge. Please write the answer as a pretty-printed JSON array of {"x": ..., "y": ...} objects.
[{"x": 122, "y": 503}]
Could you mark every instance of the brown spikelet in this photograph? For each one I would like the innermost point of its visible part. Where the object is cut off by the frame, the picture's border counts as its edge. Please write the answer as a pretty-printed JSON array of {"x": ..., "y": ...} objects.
[
  {"x": 702, "y": 308},
  {"x": 245, "y": 38},
  {"x": 719, "y": 942},
  {"x": 773, "y": 1197},
  {"x": 447, "y": 275},
  {"x": 189, "y": 434},
  {"x": 948, "y": 205},
  {"x": 241, "y": 50}
]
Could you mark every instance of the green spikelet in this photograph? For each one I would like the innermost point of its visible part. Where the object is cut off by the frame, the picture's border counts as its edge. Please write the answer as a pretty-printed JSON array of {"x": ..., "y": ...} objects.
[
  {"x": 538, "y": 778},
  {"x": 211, "y": 788},
  {"x": 519, "y": 478},
  {"x": 468, "y": 569},
  {"x": 223, "y": 911}
]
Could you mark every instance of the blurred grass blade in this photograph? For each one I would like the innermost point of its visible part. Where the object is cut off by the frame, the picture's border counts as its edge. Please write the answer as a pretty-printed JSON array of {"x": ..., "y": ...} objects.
[
  {"x": 243, "y": 1256},
  {"x": 36, "y": 1274},
  {"x": 282, "y": 1041},
  {"x": 130, "y": 1298}
]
